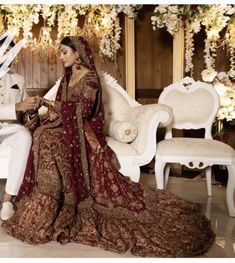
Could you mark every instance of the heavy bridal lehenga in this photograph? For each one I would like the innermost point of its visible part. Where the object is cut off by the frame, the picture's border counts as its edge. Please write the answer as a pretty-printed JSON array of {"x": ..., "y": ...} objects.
[{"x": 72, "y": 190}]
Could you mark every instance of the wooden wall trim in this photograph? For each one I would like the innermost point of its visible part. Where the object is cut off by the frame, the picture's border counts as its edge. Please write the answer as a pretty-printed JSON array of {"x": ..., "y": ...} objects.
[
  {"x": 148, "y": 93},
  {"x": 130, "y": 55},
  {"x": 178, "y": 54},
  {"x": 178, "y": 74}
]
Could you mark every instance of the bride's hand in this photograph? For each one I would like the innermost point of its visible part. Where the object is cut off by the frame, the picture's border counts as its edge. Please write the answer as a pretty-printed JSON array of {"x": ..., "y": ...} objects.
[
  {"x": 52, "y": 115},
  {"x": 48, "y": 103}
]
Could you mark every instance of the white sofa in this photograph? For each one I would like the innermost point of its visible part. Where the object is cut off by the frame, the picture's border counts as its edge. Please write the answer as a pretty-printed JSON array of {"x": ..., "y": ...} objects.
[{"x": 130, "y": 128}]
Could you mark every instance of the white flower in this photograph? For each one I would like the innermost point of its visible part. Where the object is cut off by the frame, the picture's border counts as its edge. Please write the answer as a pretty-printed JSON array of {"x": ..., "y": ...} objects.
[
  {"x": 162, "y": 9},
  {"x": 153, "y": 18},
  {"x": 225, "y": 101},
  {"x": 213, "y": 34},
  {"x": 226, "y": 91},
  {"x": 173, "y": 9},
  {"x": 173, "y": 17},
  {"x": 167, "y": 16},
  {"x": 230, "y": 11},
  {"x": 196, "y": 26},
  {"x": 208, "y": 74},
  {"x": 222, "y": 75},
  {"x": 220, "y": 88}
]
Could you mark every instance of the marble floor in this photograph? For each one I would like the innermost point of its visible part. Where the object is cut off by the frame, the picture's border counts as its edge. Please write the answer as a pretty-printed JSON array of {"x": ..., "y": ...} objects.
[{"x": 191, "y": 189}]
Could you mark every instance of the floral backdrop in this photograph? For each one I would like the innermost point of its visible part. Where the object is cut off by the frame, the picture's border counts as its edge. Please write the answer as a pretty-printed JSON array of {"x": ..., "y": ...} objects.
[
  {"x": 213, "y": 18},
  {"x": 102, "y": 23}
]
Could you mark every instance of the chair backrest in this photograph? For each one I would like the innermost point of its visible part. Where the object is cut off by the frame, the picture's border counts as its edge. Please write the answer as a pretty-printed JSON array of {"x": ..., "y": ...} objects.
[
  {"x": 194, "y": 105},
  {"x": 116, "y": 100}
]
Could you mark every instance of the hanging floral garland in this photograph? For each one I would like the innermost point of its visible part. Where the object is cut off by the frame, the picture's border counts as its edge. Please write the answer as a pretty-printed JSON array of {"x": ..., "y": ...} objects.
[
  {"x": 231, "y": 45},
  {"x": 21, "y": 16},
  {"x": 213, "y": 17},
  {"x": 101, "y": 22}
]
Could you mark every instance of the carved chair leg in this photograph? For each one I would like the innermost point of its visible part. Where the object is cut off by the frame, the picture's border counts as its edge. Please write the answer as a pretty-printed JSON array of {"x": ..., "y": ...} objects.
[
  {"x": 166, "y": 173},
  {"x": 159, "y": 173},
  {"x": 208, "y": 180},
  {"x": 208, "y": 208}
]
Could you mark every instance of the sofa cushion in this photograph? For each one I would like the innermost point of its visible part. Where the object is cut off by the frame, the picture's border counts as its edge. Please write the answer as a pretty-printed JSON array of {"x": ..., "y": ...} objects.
[{"x": 122, "y": 131}]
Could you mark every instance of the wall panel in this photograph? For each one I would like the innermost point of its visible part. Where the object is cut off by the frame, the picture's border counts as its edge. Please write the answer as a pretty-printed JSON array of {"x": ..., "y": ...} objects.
[{"x": 153, "y": 56}]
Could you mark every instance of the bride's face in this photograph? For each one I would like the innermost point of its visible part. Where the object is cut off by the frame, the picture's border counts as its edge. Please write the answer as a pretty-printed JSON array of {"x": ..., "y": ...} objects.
[{"x": 67, "y": 55}]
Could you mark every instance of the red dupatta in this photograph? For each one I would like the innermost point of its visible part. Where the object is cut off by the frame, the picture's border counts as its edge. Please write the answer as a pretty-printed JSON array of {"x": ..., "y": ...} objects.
[{"x": 75, "y": 114}]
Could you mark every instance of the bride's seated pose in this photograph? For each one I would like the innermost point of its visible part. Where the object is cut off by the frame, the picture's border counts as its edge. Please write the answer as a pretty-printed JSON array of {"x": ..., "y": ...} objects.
[{"x": 73, "y": 192}]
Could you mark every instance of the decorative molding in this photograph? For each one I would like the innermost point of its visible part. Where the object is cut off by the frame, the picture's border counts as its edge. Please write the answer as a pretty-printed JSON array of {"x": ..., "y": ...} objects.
[{"x": 130, "y": 55}]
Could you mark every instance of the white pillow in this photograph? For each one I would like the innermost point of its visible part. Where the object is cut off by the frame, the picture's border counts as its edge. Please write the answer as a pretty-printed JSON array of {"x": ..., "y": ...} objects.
[{"x": 122, "y": 131}]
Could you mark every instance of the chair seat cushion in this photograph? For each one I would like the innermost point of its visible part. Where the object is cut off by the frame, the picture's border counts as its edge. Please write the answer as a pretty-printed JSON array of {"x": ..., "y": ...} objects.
[
  {"x": 194, "y": 147},
  {"x": 121, "y": 148}
]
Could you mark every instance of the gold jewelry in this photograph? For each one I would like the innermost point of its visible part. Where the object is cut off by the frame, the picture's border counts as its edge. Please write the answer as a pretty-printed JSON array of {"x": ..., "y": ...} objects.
[{"x": 78, "y": 62}]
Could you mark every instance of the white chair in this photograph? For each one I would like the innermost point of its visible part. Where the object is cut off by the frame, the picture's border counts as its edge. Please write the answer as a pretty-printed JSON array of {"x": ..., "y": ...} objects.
[
  {"x": 194, "y": 105},
  {"x": 130, "y": 127}
]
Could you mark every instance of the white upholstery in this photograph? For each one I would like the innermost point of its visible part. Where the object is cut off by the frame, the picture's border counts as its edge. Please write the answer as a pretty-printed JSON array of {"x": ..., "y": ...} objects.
[
  {"x": 120, "y": 108},
  {"x": 121, "y": 148},
  {"x": 122, "y": 131},
  {"x": 194, "y": 146},
  {"x": 194, "y": 106}
]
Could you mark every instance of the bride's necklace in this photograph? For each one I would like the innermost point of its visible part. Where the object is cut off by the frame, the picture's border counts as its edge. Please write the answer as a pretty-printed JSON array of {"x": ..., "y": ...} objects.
[{"x": 75, "y": 78}]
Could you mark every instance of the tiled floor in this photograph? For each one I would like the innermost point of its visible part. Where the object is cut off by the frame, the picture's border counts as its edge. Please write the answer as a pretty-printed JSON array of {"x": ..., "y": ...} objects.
[{"x": 191, "y": 189}]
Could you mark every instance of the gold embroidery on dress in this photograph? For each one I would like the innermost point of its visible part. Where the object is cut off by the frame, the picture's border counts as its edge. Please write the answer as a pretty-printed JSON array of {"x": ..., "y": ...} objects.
[
  {"x": 36, "y": 140},
  {"x": 82, "y": 145},
  {"x": 89, "y": 93}
]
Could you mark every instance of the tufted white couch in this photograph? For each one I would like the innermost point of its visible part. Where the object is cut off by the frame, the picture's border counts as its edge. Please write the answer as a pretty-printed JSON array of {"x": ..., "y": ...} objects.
[{"x": 130, "y": 127}]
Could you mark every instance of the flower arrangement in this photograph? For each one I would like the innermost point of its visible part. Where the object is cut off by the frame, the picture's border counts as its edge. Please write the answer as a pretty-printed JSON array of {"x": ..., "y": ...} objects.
[
  {"x": 226, "y": 90},
  {"x": 101, "y": 22},
  {"x": 168, "y": 16},
  {"x": 213, "y": 17},
  {"x": 109, "y": 43},
  {"x": 19, "y": 16}
]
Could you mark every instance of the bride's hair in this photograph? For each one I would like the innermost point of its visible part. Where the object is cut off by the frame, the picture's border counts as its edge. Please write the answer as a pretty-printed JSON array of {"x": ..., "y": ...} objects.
[{"x": 68, "y": 42}]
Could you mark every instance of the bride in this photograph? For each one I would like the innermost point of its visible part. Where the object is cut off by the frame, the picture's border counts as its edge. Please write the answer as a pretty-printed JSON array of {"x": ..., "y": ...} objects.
[{"x": 72, "y": 190}]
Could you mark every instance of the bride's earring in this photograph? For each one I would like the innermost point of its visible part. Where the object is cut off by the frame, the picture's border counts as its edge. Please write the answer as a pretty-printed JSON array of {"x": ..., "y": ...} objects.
[{"x": 78, "y": 62}]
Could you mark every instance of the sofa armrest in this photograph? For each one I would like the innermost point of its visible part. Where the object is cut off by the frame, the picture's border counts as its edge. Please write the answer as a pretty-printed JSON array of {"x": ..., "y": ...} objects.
[
  {"x": 135, "y": 114},
  {"x": 147, "y": 118}
]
